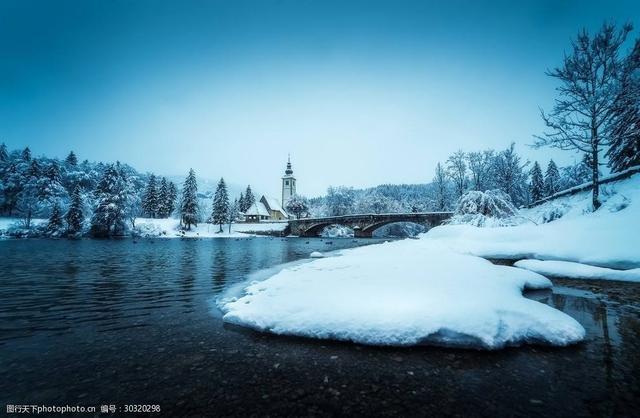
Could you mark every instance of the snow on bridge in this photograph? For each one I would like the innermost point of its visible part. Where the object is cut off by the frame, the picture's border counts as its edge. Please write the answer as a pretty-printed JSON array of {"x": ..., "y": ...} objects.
[{"x": 364, "y": 225}]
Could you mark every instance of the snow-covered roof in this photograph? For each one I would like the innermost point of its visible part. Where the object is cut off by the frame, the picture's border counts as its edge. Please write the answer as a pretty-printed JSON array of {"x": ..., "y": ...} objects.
[
  {"x": 257, "y": 209},
  {"x": 273, "y": 204}
]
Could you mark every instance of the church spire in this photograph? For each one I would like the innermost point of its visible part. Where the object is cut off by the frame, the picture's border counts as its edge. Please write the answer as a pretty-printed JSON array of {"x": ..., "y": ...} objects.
[{"x": 288, "y": 171}]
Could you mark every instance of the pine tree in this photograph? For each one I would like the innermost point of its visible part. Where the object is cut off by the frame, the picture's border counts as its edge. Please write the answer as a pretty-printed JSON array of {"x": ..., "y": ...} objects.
[
  {"x": 249, "y": 199},
  {"x": 537, "y": 183},
  {"x": 625, "y": 146},
  {"x": 55, "y": 224},
  {"x": 241, "y": 203},
  {"x": 74, "y": 216},
  {"x": 4, "y": 154},
  {"x": 161, "y": 203},
  {"x": 551, "y": 179},
  {"x": 189, "y": 204},
  {"x": 220, "y": 208},
  {"x": 71, "y": 159},
  {"x": 170, "y": 202},
  {"x": 150, "y": 199},
  {"x": 26, "y": 154},
  {"x": 112, "y": 206}
]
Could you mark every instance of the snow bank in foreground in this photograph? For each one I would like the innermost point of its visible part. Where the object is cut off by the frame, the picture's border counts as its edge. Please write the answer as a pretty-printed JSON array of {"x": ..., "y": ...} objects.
[
  {"x": 169, "y": 228},
  {"x": 608, "y": 237},
  {"x": 578, "y": 271},
  {"x": 403, "y": 293}
]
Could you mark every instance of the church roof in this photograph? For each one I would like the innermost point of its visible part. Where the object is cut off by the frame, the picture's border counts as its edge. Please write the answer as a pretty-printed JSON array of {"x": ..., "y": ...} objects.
[
  {"x": 257, "y": 209},
  {"x": 273, "y": 204}
]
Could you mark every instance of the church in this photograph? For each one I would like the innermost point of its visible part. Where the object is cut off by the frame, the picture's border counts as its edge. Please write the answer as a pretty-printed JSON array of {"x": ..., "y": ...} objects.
[{"x": 270, "y": 209}]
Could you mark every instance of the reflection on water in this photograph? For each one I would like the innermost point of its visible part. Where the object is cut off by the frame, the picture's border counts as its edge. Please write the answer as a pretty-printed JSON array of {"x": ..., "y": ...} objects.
[{"x": 116, "y": 321}]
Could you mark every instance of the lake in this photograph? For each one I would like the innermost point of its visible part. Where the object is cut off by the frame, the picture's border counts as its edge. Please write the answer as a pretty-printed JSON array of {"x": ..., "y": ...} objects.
[{"x": 125, "y": 322}]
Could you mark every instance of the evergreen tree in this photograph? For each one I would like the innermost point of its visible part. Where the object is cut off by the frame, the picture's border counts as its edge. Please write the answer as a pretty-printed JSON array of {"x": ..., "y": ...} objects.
[
  {"x": 189, "y": 204},
  {"x": 34, "y": 169},
  {"x": 509, "y": 175},
  {"x": 26, "y": 154},
  {"x": 551, "y": 179},
  {"x": 71, "y": 159},
  {"x": 4, "y": 154},
  {"x": 234, "y": 210},
  {"x": 249, "y": 199},
  {"x": 170, "y": 202},
  {"x": 241, "y": 204},
  {"x": 625, "y": 146},
  {"x": 162, "y": 197},
  {"x": 55, "y": 224},
  {"x": 537, "y": 183},
  {"x": 220, "y": 207},
  {"x": 150, "y": 200},
  {"x": 74, "y": 216},
  {"x": 110, "y": 215}
]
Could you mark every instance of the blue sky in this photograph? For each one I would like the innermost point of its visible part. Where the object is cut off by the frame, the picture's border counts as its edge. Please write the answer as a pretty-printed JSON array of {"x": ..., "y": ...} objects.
[{"x": 359, "y": 92}]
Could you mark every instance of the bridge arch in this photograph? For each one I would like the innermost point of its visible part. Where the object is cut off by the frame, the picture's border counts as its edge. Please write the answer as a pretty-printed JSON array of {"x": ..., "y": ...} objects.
[{"x": 368, "y": 230}]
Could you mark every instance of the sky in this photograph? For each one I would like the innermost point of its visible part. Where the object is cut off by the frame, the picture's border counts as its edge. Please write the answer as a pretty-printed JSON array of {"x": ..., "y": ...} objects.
[{"x": 359, "y": 93}]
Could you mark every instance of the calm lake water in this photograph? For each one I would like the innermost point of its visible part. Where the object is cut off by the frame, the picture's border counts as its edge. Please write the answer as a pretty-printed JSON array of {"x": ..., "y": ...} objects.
[{"x": 123, "y": 322}]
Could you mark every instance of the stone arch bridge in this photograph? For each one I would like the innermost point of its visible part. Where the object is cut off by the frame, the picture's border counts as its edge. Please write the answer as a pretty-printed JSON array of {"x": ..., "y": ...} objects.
[{"x": 364, "y": 225}]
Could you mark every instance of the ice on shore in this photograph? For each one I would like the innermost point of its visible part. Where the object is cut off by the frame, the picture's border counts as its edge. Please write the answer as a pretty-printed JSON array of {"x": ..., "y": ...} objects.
[
  {"x": 404, "y": 293},
  {"x": 567, "y": 269}
]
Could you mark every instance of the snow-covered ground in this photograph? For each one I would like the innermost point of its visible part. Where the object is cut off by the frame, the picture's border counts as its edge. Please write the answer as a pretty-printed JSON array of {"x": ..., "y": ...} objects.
[
  {"x": 402, "y": 293},
  {"x": 568, "y": 269},
  {"x": 609, "y": 237},
  {"x": 16, "y": 225},
  {"x": 169, "y": 228}
]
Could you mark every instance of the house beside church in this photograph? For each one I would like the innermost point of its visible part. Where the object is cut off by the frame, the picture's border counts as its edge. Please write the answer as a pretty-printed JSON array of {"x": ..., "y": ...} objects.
[{"x": 270, "y": 209}]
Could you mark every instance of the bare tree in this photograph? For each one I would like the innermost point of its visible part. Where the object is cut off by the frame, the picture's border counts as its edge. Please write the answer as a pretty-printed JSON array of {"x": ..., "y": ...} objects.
[
  {"x": 480, "y": 164},
  {"x": 440, "y": 183},
  {"x": 582, "y": 117},
  {"x": 457, "y": 170}
]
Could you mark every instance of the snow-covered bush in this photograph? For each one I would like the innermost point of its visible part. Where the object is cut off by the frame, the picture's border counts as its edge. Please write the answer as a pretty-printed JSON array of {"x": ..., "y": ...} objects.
[{"x": 490, "y": 208}]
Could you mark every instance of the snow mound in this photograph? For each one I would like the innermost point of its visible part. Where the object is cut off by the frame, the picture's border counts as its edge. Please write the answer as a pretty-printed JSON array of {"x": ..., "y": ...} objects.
[
  {"x": 571, "y": 270},
  {"x": 404, "y": 293},
  {"x": 316, "y": 254}
]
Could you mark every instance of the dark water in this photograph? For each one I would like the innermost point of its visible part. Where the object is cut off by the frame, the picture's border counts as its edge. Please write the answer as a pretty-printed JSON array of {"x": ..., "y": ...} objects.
[{"x": 117, "y": 322}]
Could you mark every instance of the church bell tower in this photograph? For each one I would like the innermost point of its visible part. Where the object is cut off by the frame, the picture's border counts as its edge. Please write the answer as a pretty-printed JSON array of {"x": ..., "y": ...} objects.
[{"x": 288, "y": 184}]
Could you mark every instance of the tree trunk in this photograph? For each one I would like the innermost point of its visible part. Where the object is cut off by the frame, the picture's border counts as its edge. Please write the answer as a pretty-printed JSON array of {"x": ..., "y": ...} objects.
[{"x": 594, "y": 168}]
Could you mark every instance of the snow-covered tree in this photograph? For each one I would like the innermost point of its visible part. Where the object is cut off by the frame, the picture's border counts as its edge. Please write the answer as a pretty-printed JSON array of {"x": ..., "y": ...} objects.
[
  {"x": 441, "y": 189},
  {"x": 249, "y": 198},
  {"x": 625, "y": 145},
  {"x": 233, "y": 213},
  {"x": 4, "y": 154},
  {"x": 71, "y": 160},
  {"x": 55, "y": 224},
  {"x": 189, "y": 203},
  {"x": 29, "y": 203},
  {"x": 150, "y": 200},
  {"x": 298, "y": 206},
  {"x": 576, "y": 174},
  {"x": 170, "y": 202},
  {"x": 536, "y": 187},
  {"x": 75, "y": 216},
  {"x": 112, "y": 206},
  {"x": 509, "y": 175},
  {"x": 480, "y": 166},
  {"x": 583, "y": 117},
  {"x": 484, "y": 208},
  {"x": 241, "y": 205},
  {"x": 220, "y": 207},
  {"x": 551, "y": 179},
  {"x": 26, "y": 154},
  {"x": 340, "y": 200},
  {"x": 457, "y": 171}
]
